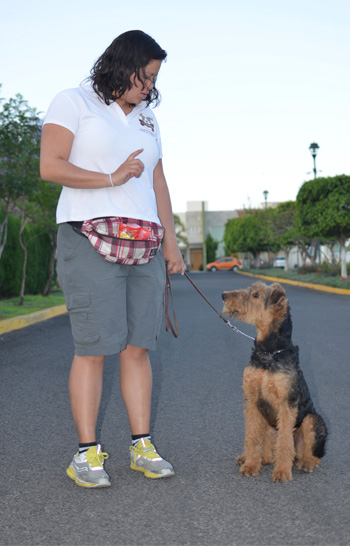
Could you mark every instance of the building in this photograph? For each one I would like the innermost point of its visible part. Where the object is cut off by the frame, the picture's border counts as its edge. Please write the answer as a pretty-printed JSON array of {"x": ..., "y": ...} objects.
[{"x": 199, "y": 222}]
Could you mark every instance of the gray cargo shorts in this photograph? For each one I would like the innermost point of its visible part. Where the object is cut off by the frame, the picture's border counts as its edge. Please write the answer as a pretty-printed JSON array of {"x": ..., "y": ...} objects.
[{"x": 110, "y": 305}]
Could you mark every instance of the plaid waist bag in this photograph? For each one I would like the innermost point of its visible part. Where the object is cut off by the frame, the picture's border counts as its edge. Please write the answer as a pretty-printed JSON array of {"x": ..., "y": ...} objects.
[{"x": 120, "y": 240}]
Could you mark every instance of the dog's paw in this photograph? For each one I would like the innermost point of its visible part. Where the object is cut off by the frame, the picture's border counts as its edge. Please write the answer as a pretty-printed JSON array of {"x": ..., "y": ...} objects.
[
  {"x": 307, "y": 466},
  {"x": 240, "y": 460},
  {"x": 282, "y": 475},
  {"x": 250, "y": 469}
]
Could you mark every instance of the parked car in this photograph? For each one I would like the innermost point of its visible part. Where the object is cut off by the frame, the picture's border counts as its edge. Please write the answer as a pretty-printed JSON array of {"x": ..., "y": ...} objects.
[
  {"x": 224, "y": 264},
  {"x": 280, "y": 261}
]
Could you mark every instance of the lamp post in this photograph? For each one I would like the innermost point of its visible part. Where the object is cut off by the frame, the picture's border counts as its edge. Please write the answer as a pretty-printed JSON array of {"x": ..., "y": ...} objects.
[
  {"x": 266, "y": 193},
  {"x": 313, "y": 151},
  {"x": 314, "y": 147}
]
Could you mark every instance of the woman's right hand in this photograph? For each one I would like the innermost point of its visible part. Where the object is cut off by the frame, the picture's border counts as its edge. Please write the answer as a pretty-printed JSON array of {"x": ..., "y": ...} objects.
[{"x": 132, "y": 167}]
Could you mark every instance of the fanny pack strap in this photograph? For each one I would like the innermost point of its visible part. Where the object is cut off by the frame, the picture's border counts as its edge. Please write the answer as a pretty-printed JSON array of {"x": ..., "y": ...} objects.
[
  {"x": 77, "y": 225},
  {"x": 168, "y": 323}
]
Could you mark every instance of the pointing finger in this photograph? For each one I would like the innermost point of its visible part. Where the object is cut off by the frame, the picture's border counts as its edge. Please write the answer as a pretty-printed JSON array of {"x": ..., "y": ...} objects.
[{"x": 134, "y": 154}]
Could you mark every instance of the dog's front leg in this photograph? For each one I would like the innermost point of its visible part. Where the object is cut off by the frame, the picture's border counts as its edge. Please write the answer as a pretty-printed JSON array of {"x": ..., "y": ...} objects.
[
  {"x": 255, "y": 425},
  {"x": 284, "y": 447}
]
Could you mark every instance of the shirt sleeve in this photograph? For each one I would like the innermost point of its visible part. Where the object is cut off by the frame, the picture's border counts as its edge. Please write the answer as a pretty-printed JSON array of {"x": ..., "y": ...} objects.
[{"x": 62, "y": 111}]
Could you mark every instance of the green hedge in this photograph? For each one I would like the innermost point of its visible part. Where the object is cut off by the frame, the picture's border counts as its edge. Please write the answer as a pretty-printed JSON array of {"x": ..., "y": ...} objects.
[{"x": 11, "y": 261}]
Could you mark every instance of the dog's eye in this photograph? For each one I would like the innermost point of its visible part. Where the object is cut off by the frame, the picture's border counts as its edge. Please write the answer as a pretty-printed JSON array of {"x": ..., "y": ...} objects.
[{"x": 256, "y": 295}]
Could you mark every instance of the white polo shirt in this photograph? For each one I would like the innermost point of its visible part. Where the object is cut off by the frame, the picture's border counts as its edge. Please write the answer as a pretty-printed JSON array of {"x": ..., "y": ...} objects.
[{"x": 104, "y": 137}]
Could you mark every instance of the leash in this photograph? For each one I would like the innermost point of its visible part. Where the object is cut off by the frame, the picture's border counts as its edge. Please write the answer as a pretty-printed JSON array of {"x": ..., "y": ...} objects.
[
  {"x": 216, "y": 311},
  {"x": 168, "y": 291},
  {"x": 175, "y": 331}
]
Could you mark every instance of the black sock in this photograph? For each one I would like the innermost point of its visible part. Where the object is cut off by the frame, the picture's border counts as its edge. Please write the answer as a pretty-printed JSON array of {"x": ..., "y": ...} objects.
[
  {"x": 136, "y": 437},
  {"x": 85, "y": 447}
]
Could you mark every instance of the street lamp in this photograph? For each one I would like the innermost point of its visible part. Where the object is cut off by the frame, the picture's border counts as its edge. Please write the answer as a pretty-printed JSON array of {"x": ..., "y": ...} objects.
[
  {"x": 266, "y": 193},
  {"x": 313, "y": 151}
]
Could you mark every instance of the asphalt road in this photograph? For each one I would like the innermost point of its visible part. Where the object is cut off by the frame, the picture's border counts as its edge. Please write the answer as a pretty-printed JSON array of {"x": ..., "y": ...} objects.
[{"x": 197, "y": 423}]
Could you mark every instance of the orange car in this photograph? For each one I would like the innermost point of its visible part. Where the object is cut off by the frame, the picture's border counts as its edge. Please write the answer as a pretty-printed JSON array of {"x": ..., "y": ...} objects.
[{"x": 224, "y": 264}]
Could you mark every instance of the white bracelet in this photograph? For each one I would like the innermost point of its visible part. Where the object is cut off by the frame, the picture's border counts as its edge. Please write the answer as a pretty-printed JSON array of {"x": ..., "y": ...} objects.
[{"x": 110, "y": 178}]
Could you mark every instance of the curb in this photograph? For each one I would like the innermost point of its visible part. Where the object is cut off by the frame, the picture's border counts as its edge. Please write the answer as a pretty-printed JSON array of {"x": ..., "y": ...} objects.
[
  {"x": 320, "y": 287},
  {"x": 16, "y": 323}
]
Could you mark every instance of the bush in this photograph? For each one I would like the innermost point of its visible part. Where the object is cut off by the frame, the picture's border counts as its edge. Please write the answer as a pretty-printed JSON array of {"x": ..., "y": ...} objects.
[
  {"x": 326, "y": 269},
  {"x": 305, "y": 269},
  {"x": 11, "y": 262},
  {"x": 331, "y": 270}
]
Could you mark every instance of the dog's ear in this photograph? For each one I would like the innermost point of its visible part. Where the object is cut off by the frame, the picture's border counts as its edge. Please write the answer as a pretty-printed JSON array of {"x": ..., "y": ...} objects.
[
  {"x": 277, "y": 292},
  {"x": 277, "y": 300}
]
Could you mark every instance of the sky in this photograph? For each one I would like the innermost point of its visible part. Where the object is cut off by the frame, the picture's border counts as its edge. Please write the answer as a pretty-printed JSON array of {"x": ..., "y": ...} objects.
[{"x": 248, "y": 85}]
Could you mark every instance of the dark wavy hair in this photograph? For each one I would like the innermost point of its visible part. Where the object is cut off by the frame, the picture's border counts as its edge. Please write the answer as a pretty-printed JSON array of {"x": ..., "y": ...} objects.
[{"x": 128, "y": 54}]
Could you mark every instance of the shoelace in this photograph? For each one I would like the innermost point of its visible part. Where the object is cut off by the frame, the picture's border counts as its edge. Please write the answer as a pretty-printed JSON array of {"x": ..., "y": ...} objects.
[
  {"x": 148, "y": 452},
  {"x": 96, "y": 459}
]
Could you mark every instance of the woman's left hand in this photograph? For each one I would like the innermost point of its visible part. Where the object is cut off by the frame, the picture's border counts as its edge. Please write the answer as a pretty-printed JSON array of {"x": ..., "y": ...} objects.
[{"x": 173, "y": 257}]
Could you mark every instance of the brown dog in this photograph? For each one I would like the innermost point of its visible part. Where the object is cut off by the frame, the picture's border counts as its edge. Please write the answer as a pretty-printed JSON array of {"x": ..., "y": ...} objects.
[{"x": 281, "y": 424}]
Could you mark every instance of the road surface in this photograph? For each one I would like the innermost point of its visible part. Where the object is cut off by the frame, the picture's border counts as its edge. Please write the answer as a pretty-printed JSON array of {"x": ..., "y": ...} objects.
[{"x": 197, "y": 423}]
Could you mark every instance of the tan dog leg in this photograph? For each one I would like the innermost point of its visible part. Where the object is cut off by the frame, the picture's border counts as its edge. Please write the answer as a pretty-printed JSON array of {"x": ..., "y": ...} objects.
[
  {"x": 284, "y": 449},
  {"x": 255, "y": 424},
  {"x": 304, "y": 441}
]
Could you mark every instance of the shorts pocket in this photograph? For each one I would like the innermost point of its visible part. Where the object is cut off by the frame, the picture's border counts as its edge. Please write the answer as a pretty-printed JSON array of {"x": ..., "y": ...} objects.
[
  {"x": 69, "y": 242},
  {"x": 78, "y": 302},
  {"x": 83, "y": 326}
]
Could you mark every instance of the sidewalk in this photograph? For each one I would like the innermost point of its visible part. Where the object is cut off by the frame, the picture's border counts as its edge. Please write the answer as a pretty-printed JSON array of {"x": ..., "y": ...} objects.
[{"x": 17, "y": 323}]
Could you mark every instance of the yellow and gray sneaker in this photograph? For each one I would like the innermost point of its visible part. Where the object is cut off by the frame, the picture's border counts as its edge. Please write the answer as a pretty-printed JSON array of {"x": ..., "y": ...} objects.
[
  {"x": 86, "y": 468},
  {"x": 144, "y": 458}
]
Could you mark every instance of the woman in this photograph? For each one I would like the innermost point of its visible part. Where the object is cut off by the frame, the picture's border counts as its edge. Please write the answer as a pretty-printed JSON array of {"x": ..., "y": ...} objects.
[{"x": 101, "y": 143}]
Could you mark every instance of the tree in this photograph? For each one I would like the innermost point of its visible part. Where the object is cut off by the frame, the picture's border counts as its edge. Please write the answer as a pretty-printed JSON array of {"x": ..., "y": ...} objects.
[
  {"x": 249, "y": 233},
  {"x": 180, "y": 230},
  {"x": 27, "y": 211},
  {"x": 47, "y": 198},
  {"x": 11, "y": 264},
  {"x": 285, "y": 234},
  {"x": 39, "y": 211},
  {"x": 19, "y": 157},
  {"x": 324, "y": 211},
  {"x": 211, "y": 246}
]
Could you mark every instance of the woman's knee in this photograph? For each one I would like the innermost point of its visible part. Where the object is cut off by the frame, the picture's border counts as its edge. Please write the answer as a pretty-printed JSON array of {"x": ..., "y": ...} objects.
[
  {"x": 134, "y": 353},
  {"x": 88, "y": 360}
]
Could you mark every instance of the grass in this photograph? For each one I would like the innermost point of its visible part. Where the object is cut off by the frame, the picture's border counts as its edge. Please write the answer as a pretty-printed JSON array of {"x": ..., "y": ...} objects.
[
  {"x": 10, "y": 308},
  {"x": 313, "y": 278}
]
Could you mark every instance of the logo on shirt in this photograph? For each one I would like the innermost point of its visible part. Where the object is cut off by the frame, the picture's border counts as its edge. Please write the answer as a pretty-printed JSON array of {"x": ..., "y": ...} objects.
[{"x": 147, "y": 122}]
